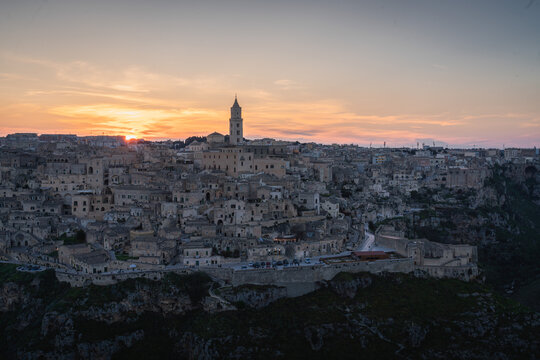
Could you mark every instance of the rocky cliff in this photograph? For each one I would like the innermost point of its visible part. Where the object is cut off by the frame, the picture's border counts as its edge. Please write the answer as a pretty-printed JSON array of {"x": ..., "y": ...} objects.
[
  {"x": 255, "y": 296},
  {"x": 351, "y": 316}
]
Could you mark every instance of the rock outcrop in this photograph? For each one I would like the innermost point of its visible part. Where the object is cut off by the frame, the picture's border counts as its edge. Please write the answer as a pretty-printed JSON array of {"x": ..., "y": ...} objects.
[
  {"x": 254, "y": 296},
  {"x": 392, "y": 315}
]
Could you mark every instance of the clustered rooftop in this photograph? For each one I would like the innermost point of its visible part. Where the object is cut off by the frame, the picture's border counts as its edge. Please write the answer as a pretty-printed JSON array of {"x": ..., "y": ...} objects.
[{"x": 222, "y": 201}]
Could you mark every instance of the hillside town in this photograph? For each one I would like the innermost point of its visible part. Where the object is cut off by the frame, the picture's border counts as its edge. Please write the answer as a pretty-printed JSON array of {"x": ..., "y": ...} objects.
[{"x": 103, "y": 206}]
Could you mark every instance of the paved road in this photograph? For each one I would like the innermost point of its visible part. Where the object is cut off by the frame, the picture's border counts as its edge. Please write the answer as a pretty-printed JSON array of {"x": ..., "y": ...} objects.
[{"x": 367, "y": 244}]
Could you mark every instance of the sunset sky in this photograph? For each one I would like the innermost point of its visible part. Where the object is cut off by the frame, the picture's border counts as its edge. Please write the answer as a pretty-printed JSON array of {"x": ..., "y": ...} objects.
[{"x": 460, "y": 72}]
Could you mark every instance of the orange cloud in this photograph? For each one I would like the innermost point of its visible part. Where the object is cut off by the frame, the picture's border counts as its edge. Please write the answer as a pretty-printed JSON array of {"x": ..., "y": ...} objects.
[{"x": 84, "y": 98}]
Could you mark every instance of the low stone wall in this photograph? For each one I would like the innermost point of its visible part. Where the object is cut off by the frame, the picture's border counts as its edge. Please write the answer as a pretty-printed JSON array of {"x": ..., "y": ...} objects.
[
  {"x": 221, "y": 273},
  {"x": 463, "y": 272},
  {"x": 288, "y": 276},
  {"x": 293, "y": 220},
  {"x": 36, "y": 259},
  {"x": 314, "y": 273},
  {"x": 285, "y": 276},
  {"x": 78, "y": 279}
]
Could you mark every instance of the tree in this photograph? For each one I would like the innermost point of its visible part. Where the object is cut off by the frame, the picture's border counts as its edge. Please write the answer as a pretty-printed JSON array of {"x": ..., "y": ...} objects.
[
  {"x": 191, "y": 139},
  {"x": 80, "y": 236}
]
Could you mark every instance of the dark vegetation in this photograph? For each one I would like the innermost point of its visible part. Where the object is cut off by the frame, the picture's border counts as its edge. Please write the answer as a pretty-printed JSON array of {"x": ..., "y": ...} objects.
[
  {"x": 506, "y": 232},
  {"x": 179, "y": 144},
  {"x": 78, "y": 238},
  {"x": 515, "y": 255},
  {"x": 124, "y": 257},
  {"x": 376, "y": 320},
  {"x": 41, "y": 293},
  {"x": 230, "y": 253}
]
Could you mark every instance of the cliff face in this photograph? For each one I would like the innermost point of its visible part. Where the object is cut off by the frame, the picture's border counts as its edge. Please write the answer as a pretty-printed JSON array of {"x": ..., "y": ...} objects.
[
  {"x": 502, "y": 219},
  {"x": 40, "y": 317},
  {"x": 11, "y": 295},
  {"x": 375, "y": 316},
  {"x": 254, "y": 296}
]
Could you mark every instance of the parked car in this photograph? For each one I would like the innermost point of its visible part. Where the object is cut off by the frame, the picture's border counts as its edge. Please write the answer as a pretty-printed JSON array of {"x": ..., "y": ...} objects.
[{"x": 307, "y": 260}]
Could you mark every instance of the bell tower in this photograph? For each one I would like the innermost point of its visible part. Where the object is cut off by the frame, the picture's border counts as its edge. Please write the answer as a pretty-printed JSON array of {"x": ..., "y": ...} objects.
[{"x": 236, "y": 126}]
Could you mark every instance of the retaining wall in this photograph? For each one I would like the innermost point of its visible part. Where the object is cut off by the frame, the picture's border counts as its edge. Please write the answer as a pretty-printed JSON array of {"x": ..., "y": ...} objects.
[
  {"x": 306, "y": 274},
  {"x": 78, "y": 279},
  {"x": 288, "y": 276},
  {"x": 464, "y": 272}
]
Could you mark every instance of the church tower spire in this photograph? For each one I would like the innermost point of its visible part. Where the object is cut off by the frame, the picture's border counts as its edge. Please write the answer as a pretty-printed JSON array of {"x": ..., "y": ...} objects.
[{"x": 236, "y": 131}]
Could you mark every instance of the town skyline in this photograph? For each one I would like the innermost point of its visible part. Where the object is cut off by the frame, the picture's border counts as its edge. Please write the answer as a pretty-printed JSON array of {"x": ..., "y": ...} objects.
[
  {"x": 420, "y": 143},
  {"x": 354, "y": 72}
]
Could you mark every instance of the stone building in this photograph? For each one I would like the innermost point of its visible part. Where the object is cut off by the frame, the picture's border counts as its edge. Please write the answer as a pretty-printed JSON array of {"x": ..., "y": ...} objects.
[{"x": 215, "y": 138}]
